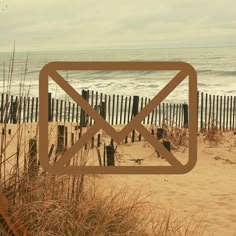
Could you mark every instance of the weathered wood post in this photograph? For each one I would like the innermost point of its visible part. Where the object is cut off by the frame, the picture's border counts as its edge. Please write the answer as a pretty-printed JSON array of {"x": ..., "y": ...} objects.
[
  {"x": 185, "y": 110},
  {"x": 135, "y": 106},
  {"x": 32, "y": 167},
  {"x": 60, "y": 138},
  {"x": 126, "y": 139},
  {"x": 134, "y": 113},
  {"x": 50, "y": 151},
  {"x": 32, "y": 110},
  {"x": 160, "y": 133},
  {"x": 167, "y": 145},
  {"x": 2, "y": 108},
  {"x": 201, "y": 123},
  {"x": 49, "y": 107},
  {"x": 13, "y": 112},
  {"x": 133, "y": 136},
  {"x": 103, "y": 110},
  {"x": 139, "y": 137},
  {"x": 66, "y": 136},
  {"x": 72, "y": 139},
  {"x": 99, "y": 140},
  {"x": 112, "y": 142},
  {"x": 110, "y": 155},
  {"x": 83, "y": 120}
]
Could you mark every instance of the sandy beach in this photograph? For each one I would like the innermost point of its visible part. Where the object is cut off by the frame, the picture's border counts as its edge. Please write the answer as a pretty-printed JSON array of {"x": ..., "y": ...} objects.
[{"x": 207, "y": 193}]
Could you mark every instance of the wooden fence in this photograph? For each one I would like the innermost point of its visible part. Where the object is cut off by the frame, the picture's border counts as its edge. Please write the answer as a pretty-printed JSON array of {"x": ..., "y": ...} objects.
[{"x": 219, "y": 111}]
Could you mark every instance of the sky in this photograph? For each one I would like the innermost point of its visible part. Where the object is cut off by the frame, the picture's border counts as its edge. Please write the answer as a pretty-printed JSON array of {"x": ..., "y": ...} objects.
[{"x": 47, "y": 25}]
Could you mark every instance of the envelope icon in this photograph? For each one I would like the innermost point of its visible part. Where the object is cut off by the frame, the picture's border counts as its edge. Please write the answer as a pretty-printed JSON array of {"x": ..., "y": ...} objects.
[{"x": 186, "y": 71}]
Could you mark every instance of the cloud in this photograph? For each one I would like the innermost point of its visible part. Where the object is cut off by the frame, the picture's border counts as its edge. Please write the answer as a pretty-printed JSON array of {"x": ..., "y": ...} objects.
[{"x": 63, "y": 24}]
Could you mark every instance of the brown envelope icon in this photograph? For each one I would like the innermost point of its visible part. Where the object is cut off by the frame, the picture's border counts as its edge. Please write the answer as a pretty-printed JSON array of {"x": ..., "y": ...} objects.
[{"x": 185, "y": 70}]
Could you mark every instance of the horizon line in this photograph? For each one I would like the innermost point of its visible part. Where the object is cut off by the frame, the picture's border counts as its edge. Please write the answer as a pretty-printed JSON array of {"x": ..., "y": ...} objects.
[{"x": 115, "y": 49}]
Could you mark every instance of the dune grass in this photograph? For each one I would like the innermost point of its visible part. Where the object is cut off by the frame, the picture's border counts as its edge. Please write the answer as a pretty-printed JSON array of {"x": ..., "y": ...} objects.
[{"x": 51, "y": 205}]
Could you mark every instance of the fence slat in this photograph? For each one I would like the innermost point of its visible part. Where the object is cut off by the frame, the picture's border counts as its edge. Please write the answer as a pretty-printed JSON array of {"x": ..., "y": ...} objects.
[
  {"x": 32, "y": 110},
  {"x": 69, "y": 107},
  {"x": 19, "y": 109},
  {"x": 57, "y": 109},
  {"x": 113, "y": 110},
  {"x": 224, "y": 110},
  {"x": 206, "y": 96},
  {"x": 65, "y": 110},
  {"x": 125, "y": 110},
  {"x": 148, "y": 119},
  {"x": 230, "y": 116},
  {"x": 121, "y": 109},
  {"x": 159, "y": 110},
  {"x": 77, "y": 113},
  {"x": 180, "y": 115},
  {"x": 28, "y": 108},
  {"x": 213, "y": 109},
  {"x": 129, "y": 110},
  {"x": 117, "y": 109},
  {"x": 163, "y": 113},
  {"x": 61, "y": 109},
  {"x": 73, "y": 112},
  {"x": 221, "y": 112},
  {"x": 177, "y": 112},
  {"x": 201, "y": 111},
  {"x": 91, "y": 103},
  {"x": 234, "y": 113},
  {"x": 209, "y": 114},
  {"x": 109, "y": 107},
  {"x": 2, "y": 108},
  {"x": 217, "y": 110},
  {"x": 227, "y": 113}
]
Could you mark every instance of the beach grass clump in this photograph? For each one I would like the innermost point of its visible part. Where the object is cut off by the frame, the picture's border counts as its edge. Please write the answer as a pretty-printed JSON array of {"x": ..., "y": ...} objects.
[
  {"x": 212, "y": 135},
  {"x": 178, "y": 137},
  {"x": 57, "y": 206}
]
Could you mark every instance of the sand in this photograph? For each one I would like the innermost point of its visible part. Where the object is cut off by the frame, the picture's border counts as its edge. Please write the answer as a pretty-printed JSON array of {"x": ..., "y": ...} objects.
[{"x": 208, "y": 192}]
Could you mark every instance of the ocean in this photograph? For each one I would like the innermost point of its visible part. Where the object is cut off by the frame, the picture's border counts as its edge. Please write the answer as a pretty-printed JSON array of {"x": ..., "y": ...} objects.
[{"x": 216, "y": 70}]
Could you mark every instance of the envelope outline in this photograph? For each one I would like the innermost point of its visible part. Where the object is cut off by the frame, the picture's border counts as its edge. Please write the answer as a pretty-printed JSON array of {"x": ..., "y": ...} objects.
[{"x": 175, "y": 168}]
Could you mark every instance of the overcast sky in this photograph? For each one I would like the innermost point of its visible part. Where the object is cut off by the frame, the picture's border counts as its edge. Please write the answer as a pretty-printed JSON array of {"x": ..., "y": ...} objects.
[{"x": 116, "y": 24}]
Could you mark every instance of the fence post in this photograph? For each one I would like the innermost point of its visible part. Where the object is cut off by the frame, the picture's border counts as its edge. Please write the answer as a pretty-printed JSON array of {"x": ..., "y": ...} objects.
[
  {"x": 13, "y": 112},
  {"x": 134, "y": 112},
  {"x": 99, "y": 140},
  {"x": 2, "y": 108},
  {"x": 49, "y": 107},
  {"x": 110, "y": 155},
  {"x": 133, "y": 136},
  {"x": 82, "y": 114},
  {"x": 60, "y": 138},
  {"x": 33, "y": 167},
  {"x": 185, "y": 109},
  {"x": 103, "y": 110},
  {"x": 160, "y": 133},
  {"x": 201, "y": 123},
  {"x": 167, "y": 145}
]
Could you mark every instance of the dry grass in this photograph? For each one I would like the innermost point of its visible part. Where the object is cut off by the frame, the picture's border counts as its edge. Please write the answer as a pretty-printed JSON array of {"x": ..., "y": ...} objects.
[
  {"x": 77, "y": 205},
  {"x": 212, "y": 135},
  {"x": 178, "y": 137},
  {"x": 52, "y": 205}
]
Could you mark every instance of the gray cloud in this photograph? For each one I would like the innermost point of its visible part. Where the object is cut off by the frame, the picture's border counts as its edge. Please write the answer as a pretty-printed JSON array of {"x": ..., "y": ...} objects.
[{"x": 63, "y": 24}]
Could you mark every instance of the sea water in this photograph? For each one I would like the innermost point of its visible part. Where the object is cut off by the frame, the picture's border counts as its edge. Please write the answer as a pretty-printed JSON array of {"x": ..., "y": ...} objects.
[{"x": 216, "y": 70}]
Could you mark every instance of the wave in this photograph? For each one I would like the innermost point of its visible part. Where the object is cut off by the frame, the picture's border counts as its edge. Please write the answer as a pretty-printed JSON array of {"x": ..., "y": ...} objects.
[{"x": 218, "y": 72}]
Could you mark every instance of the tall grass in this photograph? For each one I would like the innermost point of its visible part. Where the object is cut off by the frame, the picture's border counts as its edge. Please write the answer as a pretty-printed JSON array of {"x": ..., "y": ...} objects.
[{"x": 71, "y": 205}]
